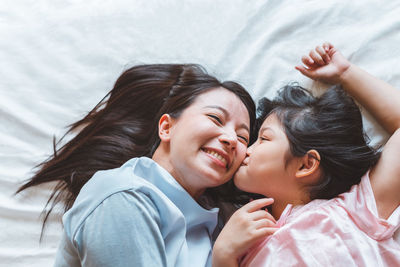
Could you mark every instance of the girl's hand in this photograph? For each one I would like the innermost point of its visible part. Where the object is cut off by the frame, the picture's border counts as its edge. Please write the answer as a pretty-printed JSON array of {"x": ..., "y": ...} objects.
[
  {"x": 245, "y": 228},
  {"x": 324, "y": 63}
]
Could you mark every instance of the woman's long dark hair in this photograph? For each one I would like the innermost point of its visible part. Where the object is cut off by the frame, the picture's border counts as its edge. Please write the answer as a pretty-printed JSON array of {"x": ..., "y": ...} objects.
[
  {"x": 332, "y": 125},
  {"x": 124, "y": 125}
]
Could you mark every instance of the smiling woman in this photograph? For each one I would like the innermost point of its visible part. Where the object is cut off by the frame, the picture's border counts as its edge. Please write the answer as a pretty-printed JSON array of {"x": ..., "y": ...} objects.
[
  {"x": 209, "y": 141},
  {"x": 147, "y": 212}
]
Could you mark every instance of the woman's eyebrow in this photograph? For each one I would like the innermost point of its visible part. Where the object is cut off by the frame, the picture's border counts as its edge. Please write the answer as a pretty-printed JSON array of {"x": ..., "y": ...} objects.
[{"x": 226, "y": 113}]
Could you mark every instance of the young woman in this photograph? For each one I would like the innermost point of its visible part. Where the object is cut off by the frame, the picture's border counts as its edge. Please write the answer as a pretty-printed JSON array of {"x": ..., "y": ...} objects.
[
  {"x": 177, "y": 132},
  {"x": 337, "y": 199}
]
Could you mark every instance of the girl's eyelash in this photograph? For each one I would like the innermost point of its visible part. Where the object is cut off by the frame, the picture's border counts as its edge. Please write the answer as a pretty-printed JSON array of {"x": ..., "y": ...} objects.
[{"x": 263, "y": 138}]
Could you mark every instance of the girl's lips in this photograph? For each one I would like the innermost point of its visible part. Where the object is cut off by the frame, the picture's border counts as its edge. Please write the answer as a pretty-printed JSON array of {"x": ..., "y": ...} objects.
[{"x": 245, "y": 162}]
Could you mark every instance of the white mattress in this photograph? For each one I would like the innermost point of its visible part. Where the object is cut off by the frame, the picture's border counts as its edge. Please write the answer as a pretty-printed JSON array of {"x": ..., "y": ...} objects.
[{"x": 59, "y": 58}]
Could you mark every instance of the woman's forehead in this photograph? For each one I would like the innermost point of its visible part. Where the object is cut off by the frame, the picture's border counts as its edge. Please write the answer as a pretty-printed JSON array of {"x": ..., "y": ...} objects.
[
  {"x": 223, "y": 101},
  {"x": 222, "y": 98}
]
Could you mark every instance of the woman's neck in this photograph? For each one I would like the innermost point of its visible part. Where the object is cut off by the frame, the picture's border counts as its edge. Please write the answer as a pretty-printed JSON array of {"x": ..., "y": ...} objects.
[{"x": 161, "y": 156}]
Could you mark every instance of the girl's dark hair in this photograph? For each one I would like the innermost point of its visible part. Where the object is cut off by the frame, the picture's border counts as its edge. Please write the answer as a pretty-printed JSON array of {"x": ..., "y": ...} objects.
[
  {"x": 124, "y": 124},
  {"x": 332, "y": 125}
]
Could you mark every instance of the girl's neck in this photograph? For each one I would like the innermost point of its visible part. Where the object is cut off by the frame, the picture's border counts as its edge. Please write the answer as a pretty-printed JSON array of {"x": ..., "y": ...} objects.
[
  {"x": 279, "y": 205},
  {"x": 277, "y": 209}
]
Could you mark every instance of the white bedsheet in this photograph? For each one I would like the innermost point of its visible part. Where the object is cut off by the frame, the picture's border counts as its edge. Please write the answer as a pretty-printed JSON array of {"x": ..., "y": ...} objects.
[{"x": 58, "y": 58}]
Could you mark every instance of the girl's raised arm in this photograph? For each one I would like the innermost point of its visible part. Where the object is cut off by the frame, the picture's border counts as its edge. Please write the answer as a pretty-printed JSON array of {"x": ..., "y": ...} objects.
[{"x": 382, "y": 100}]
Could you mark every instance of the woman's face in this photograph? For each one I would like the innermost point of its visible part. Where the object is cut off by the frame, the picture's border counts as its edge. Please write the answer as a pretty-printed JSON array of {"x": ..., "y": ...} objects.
[
  {"x": 266, "y": 168},
  {"x": 208, "y": 141}
]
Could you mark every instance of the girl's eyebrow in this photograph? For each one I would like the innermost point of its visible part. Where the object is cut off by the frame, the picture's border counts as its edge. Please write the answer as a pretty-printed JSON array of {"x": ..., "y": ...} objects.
[
  {"x": 263, "y": 129},
  {"x": 226, "y": 113}
]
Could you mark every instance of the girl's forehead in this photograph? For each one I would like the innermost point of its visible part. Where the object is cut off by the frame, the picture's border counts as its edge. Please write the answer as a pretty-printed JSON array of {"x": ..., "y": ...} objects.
[
  {"x": 272, "y": 122},
  {"x": 271, "y": 119}
]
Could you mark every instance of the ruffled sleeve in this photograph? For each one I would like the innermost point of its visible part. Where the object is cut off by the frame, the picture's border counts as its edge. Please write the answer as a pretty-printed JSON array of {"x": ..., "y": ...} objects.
[{"x": 360, "y": 205}]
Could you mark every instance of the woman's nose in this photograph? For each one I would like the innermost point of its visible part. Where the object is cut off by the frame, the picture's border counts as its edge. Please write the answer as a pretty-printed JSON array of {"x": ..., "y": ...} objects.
[{"x": 228, "y": 139}]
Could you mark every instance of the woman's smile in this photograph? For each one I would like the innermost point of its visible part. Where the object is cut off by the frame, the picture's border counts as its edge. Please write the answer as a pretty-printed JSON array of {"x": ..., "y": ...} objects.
[{"x": 219, "y": 157}]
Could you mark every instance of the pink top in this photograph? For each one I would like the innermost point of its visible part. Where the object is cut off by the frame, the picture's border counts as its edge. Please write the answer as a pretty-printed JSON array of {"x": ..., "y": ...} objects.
[{"x": 344, "y": 231}]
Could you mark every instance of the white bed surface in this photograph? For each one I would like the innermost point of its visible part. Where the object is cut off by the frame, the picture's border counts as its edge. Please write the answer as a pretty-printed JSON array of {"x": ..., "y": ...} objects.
[{"x": 59, "y": 58}]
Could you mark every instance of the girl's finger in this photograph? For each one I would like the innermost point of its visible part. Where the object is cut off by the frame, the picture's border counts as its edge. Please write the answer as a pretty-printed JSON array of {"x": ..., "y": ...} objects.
[
  {"x": 264, "y": 223},
  {"x": 323, "y": 54},
  {"x": 305, "y": 71},
  {"x": 266, "y": 231},
  {"x": 316, "y": 57},
  {"x": 327, "y": 46},
  {"x": 262, "y": 214},
  {"x": 307, "y": 61},
  {"x": 258, "y": 204}
]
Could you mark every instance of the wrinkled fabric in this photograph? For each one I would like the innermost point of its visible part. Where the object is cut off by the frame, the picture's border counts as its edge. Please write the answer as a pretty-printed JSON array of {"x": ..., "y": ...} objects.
[{"x": 344, "y": 231}]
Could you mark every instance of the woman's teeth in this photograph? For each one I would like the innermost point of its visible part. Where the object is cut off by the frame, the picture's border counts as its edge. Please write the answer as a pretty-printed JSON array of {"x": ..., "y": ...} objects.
[{"x": 216, "y": 155}]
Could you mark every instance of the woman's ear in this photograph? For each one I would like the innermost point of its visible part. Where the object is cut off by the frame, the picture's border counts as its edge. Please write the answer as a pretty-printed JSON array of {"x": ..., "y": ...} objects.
[
  {"x": 309, "y": 164},
  {"x": 164, "y": 127}
]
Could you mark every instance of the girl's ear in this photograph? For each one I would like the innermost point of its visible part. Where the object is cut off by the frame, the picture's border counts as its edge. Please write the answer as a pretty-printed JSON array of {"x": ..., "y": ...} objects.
[
  {"x": 309, "y": 164},
  {"x": 164, "y": 127}
]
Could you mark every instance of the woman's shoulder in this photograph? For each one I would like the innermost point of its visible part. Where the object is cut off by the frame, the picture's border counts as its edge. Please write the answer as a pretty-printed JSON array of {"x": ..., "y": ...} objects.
[
  {"x": 114, "y": 187},
  {"x": 105, "y": 183}
]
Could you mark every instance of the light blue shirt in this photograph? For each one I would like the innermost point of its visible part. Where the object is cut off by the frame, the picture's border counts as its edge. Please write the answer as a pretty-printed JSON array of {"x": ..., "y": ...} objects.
[{"x": 136, "y": 215}]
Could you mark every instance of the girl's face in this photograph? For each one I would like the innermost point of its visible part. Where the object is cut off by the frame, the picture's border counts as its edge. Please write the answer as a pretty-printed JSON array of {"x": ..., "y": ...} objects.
[
  {"x": 208, "y": 141},
  {"x": 266, "y": 169}
]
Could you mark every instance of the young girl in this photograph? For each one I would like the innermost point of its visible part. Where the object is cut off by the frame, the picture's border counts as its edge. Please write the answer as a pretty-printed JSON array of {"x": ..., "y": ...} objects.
[
  {"x": 337, "y": 201},
  {"x": 181, "y": 132}
]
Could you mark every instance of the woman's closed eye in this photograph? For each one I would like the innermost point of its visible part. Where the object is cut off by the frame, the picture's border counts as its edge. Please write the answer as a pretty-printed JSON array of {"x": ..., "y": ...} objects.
[
  {"x": 243, "y": 139},
  {"x": 215, "y": 118},
  {"x": 219, "y": 121}
]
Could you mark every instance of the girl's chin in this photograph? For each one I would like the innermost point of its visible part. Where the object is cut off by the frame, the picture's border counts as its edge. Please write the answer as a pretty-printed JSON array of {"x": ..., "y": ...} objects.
[
  {"x": 243, "y": 184},
  {"x": 238, "y": 182}
]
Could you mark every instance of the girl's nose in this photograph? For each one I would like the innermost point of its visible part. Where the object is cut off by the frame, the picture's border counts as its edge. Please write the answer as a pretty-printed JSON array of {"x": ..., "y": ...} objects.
[{"x": 249, "y": 150}]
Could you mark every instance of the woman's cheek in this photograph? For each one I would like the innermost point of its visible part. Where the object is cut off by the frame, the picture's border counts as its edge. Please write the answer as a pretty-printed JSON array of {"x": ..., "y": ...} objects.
[{"x": 242, "y": 153}]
